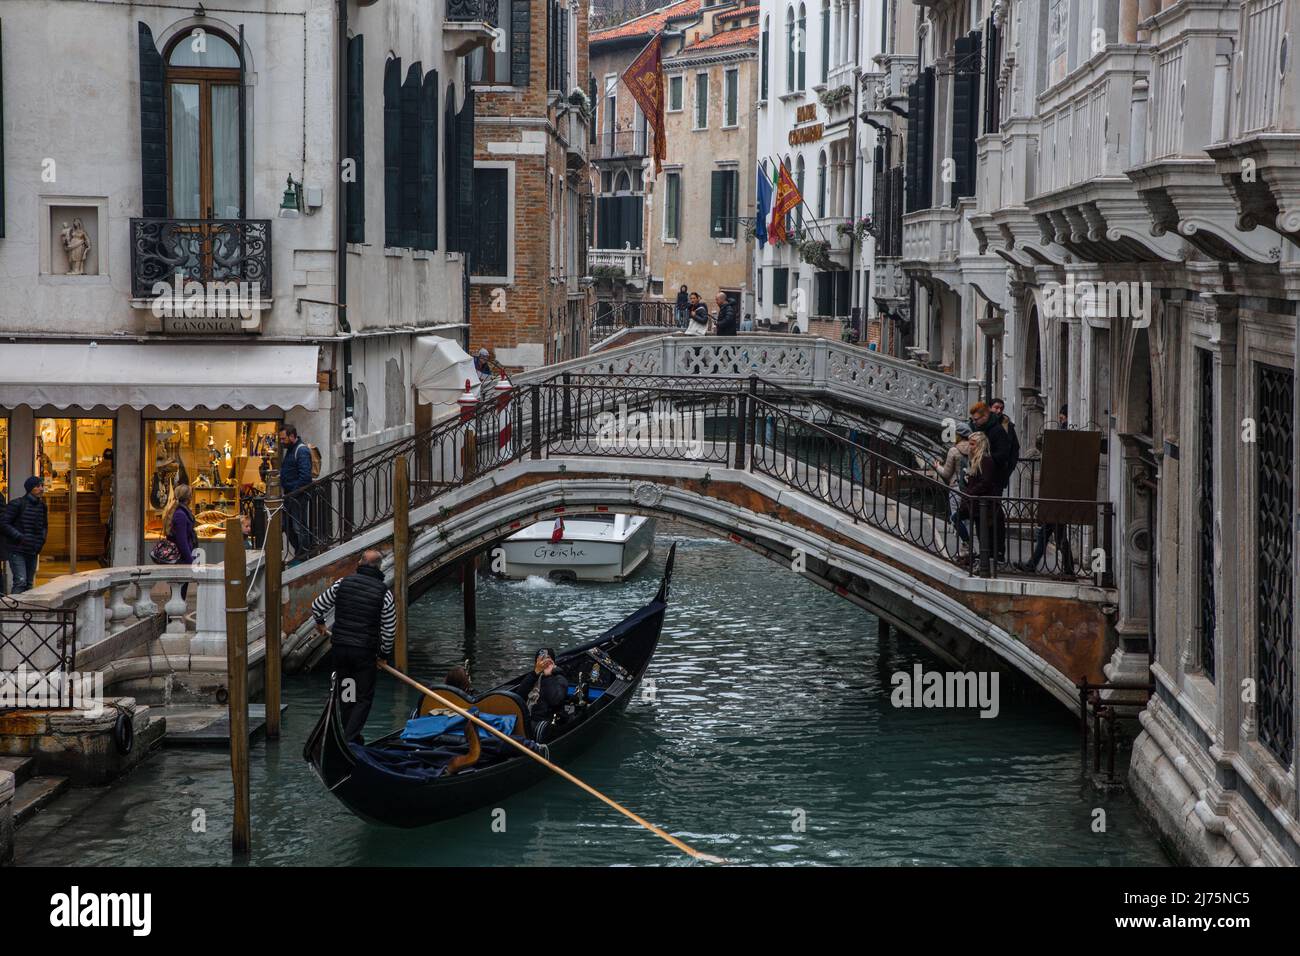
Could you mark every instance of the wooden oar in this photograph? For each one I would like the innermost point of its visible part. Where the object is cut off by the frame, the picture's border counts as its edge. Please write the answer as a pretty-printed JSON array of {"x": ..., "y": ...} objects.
[{"x": 689, "y": 851}]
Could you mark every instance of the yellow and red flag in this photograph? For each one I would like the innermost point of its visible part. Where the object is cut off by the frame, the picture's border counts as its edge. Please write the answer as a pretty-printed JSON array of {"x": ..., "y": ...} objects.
[
  {"x": 787, "y": 199},
  {"x": 645, "y": 79}
]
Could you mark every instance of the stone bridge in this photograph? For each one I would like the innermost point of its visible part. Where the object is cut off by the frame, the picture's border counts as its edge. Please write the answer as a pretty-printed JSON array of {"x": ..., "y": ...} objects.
[{"x": 852, "y": 515}]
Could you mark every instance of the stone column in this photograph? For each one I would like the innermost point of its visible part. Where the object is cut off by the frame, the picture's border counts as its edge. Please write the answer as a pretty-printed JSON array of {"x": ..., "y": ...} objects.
[
  {"x": 1228, "y": 656},
  {"x": 1128, "y": 21},
  {"x": 128, "y": 492}
]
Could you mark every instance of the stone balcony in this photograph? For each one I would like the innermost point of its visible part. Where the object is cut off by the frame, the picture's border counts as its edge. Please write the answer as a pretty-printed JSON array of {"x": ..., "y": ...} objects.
[
  {"x": 1260, "y": 160},
  {"x": 930, "y": 237},
  {"x": 1190, "y": 104},
  {"x": 576, "y": 132},
  {"x": 1091, "y": 129}
]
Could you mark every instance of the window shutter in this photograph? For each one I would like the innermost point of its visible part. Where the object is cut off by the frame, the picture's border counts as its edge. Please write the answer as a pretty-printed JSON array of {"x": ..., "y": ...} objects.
[
  {"x": 491, "y": 254},
  {"x": 992, "y": 55},
  {"x": 780, "y": 286},
  {"x": 591, "y": 97},
  {"x": 392, "y": 152},
  {"x": 520, "y": 37},
  {"x": 965, "y": 114},
  {"x": 411, "y": 128},
  {"x": 843, "y": 292},
  {"x": 925, "y": 139},
  {"x": 153, "y": 129},
  {"x": 717, "y": 183},
  {"x": 450, "y": 169},
  {"x": 762, "y": 79},
  {"x": 733, "y": 210},
  {"x": 825, "y": 291},
  {"x": 564, "y": 52},
  {"x": 356, "y": 131},
  {"x": 465, "y": 171},
  {"x": 429, "y": 162}
]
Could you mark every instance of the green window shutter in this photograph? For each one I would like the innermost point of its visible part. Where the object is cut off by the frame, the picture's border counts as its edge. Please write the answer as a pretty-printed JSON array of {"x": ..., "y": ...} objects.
[
  {"x": 762, "y": 78},
  {"x": 356, "y": 129},
  {"x": 780, "y": 286},
  {"x": 733, "y": 203},
  {"x": 410, "y": 157},
  {"x": 393, "y": 152},
  {"x": 153, "y": 129}
]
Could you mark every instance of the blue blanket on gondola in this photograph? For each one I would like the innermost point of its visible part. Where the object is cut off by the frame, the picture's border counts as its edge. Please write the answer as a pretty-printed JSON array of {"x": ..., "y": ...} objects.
[{"x": 434, "y": 725}]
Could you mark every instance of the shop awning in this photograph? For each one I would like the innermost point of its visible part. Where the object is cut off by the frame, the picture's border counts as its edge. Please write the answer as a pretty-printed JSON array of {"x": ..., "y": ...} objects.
[
  {"x": 166, "y": 375},
  {"x": 440, "y": 369}
]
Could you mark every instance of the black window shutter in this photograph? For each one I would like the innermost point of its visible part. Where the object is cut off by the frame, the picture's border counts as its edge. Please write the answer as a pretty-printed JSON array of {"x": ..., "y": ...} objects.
[
  {"x": 429, "y": 162},
  {"x": 520, "y": 37},
  {"x": 465, "y": 172},
  {"x": 411, "y": 128},
  {"x": 450, "y": 169},
  {"x": 925, "y": 141},
  {"x": 564, "y": 51},
  {"x": 843, "y": 292},
  {"x": 879, "y": 193},
  {"x": 717, "y": 183},
  {"x": 356, "y": 130},
  {"x": 780, "y": 286},
  {"x": 896, "y": 210},
  {"x": 992, "y": 58},
  {"x": 965, "y": 114},
  {"x": 824, "y": 293},
  {"x": 733, "y": 211},
  {"x": 913, "y": 153},
  {"x": 392, "y": 152},
  {"x": 490, "y": 255},
  {"x": 762, "y": 77},
  {"x": 153, "y": 129}
]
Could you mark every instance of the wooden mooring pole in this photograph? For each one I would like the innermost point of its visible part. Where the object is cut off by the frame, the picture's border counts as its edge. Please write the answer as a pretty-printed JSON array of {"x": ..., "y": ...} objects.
[
  {"x": 274, "y": 556},
  {"x": 236, "y": 569},
  {"x": 401, "y": 554}
]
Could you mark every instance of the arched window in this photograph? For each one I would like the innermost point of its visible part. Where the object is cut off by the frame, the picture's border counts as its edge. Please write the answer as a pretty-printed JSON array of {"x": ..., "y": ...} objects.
[
  {"x": 790, "y": 55},
  {"x": 203, "y": 125},
  {"x": 802, "y": 32},
  {"x": 821, "y": 185},
  {"x": 623, "y": 182},
  {"x": 798, "y": 181},
  {"x": 765, "y": 55}
]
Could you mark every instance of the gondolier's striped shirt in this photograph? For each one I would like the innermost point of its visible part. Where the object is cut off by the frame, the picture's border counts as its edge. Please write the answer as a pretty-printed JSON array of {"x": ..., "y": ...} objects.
[{"x": 387, "y": 617}]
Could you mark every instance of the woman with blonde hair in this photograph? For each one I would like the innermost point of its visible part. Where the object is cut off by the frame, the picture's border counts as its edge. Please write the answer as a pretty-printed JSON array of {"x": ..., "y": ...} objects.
[
  {"x": 982, "y": 482},
  {"x": 179, "y": 527}
]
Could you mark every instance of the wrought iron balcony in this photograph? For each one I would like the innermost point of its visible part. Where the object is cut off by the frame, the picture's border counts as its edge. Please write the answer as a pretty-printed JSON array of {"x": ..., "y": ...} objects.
[
  {"x": 471, "y": 11},
  {"x": 201, "y": 250},
  {"x": 624, "y": 143}
]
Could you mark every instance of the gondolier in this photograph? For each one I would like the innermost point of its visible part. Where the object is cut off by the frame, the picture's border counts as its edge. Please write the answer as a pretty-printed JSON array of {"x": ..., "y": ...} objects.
[{"x": 365, "y": 621}]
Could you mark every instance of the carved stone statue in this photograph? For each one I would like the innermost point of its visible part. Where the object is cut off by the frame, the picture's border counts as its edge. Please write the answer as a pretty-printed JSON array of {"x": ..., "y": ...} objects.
[{"x": 76, "y": 243}]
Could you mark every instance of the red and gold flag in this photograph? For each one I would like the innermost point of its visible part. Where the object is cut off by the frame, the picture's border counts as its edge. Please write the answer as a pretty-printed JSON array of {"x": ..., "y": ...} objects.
[
  {"x": 645, "y": 78},
  {"x": 787, "y": 200}
]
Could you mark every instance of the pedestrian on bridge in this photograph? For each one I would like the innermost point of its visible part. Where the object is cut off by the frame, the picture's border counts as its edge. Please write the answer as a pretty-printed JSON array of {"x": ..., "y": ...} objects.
[
  {"x": 24, "y": 524},
  {"x": 295, "y": 473},
  {"x": 726, "y": 315},
  {"x": 683, "y": 306},
  {"x": 365, "y": 623},
  {"x": 982, "y": 482}
]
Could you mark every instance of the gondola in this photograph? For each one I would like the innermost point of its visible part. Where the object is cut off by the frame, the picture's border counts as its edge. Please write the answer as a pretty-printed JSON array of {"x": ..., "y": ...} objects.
[{"x": 401, "y": 783}]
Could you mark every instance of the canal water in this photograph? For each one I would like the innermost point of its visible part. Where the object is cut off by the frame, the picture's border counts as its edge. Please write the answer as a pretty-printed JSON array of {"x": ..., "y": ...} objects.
[{"x": 770, "y": 739}]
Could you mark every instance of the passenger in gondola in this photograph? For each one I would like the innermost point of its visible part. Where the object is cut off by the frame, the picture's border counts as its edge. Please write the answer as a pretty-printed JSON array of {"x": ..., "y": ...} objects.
[
  {"x": 545, "y": 689},
  {"x": 458, "y": 677}
]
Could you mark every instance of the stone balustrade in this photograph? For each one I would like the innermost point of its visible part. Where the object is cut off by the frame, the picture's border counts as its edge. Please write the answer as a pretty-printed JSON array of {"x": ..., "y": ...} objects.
[
  {"x": 896, "y": 387},
  {"x": 119, "y": 609}
]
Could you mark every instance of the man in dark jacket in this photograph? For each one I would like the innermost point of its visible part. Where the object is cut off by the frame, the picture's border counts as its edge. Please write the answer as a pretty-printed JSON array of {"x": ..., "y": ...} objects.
[
  {"x": 365, "y": 622},
  {"x": 545, "y": 690},
  {"x": 998, "y": 407},
  {"x": 983, "y": 420},
  {"x": 726, "y": 320},
  {"x": 295, "y": 473},
  {"x": 24, "y": 525}
]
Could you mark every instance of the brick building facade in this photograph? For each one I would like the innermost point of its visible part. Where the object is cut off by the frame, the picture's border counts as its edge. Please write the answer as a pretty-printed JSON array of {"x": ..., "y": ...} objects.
[{"x": 528, "y": 299}]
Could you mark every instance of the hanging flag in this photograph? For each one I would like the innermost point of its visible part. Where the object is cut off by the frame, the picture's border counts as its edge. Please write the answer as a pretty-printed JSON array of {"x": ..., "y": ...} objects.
[
  {"x": 645, "y": 80},
  {"x": 764, "y": 204},
  {"x": 787, "y": 200},
  {"x": 775, "y": 229},
  {"x": 557, "y": 533}
]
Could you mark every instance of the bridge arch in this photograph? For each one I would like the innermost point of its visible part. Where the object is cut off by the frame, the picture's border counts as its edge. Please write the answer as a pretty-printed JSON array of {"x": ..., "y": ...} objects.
[{"x": 1051, "y": 632}]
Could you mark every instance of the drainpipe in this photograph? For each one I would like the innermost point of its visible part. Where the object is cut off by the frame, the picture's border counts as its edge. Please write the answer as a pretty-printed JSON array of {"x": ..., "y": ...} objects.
[{"x": 341, "y": 280}]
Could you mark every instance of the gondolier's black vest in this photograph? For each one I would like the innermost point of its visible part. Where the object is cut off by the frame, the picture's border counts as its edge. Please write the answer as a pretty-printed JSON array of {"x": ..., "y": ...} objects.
[{"x": 358, "y": 606}]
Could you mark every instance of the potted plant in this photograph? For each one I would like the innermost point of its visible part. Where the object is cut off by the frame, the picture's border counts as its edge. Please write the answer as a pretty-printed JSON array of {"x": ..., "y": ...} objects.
[{"x": 816, "y": 252}]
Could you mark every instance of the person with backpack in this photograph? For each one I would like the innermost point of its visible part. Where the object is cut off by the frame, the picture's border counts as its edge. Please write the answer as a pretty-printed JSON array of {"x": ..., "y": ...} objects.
[
  {"x": 295, "y": 473},
  {"x": 24, "y": 526}
]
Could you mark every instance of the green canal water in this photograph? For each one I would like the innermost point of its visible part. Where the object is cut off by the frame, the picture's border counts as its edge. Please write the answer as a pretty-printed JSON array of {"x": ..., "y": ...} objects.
[{"x": 770, "y": 740}]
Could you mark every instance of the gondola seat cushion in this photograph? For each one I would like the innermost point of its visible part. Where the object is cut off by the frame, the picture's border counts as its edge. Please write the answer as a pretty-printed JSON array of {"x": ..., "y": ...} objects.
[{"x": 434, "y": 725}]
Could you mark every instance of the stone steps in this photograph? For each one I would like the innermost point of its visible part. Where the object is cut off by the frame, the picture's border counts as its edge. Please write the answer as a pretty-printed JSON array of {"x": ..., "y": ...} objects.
[
  {"x": 21, "y": 767},
  {"x": 34, "y": 794}
]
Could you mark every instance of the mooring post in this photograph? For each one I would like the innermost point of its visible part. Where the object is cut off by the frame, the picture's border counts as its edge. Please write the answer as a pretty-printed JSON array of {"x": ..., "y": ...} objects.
[
  {"x": 882, "y": 630},
  {"x": 273, "y": 550},
  {"x": 401, "y": 553},
  {"x": 236, "y": 569},
  {"x": 469, "y": 579}
]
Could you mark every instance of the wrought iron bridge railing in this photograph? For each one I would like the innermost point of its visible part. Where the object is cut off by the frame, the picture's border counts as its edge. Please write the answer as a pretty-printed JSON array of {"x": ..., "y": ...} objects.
[
  {"x": 37, "y": 645},
  {"x": 745, "y": 425},
  {"x": 201, "y": 250},
  {"x": 609, "y": 317}
]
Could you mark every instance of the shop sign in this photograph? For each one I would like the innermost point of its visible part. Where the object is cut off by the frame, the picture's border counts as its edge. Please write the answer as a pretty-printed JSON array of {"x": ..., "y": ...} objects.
[{"x": 183, "y": 325}]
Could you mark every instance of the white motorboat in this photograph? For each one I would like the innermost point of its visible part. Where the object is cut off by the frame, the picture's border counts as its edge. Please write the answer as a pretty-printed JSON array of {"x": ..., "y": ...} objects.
[{"x": 601, "y": 547}]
